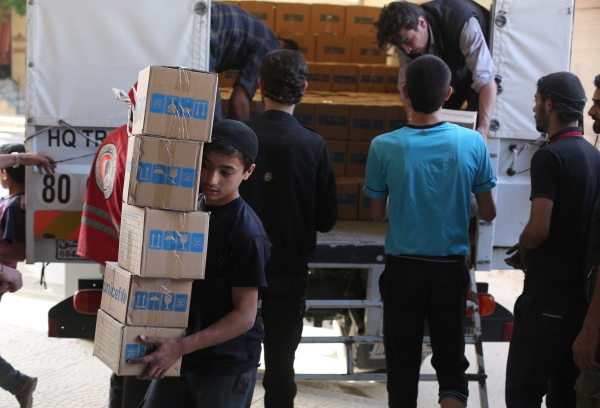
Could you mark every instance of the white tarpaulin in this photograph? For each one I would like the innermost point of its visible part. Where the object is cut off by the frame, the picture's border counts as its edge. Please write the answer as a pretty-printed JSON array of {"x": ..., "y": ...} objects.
[
  {"x": 79, "y": 49},
  {"x": 530, "y": 39}
]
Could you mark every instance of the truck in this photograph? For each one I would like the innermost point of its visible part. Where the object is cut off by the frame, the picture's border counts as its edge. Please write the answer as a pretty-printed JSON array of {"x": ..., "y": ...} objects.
[{"x": 77, "y": 51}]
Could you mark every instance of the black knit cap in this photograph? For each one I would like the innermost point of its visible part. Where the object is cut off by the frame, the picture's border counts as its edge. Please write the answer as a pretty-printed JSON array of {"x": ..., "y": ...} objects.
[{"x": 237, "y": 135}]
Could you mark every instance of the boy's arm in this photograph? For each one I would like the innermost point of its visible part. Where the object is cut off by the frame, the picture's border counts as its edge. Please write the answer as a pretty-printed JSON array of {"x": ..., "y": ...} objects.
[
  {"x": 168, "y": 351},
  {"x": 13, "y": 253}
]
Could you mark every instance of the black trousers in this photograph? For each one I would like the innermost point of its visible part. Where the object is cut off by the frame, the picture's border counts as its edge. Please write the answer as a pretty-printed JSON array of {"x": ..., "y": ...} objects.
[
  {"x": 126, "y": 392},
  {"x": 540, "y": 359},
  {"x": 283, "y": 311},
  {"x": 412, "y": 291}
]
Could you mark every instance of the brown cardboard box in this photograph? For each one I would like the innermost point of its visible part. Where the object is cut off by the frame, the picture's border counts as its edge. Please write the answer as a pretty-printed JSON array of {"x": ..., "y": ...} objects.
[
  {"x": 116, "y": 343},
  {"x": 163, "y": 244},
  {"x": 391, "y": 80},
  {"x": 366, "y": 122},
  {"x": 356, "y": 158},
  {"x": 337, "y": 152},
  {"x": 364, "y": 202},
  {"x": 347, "y": 198},
  {"x": 371, "y": 78},
  {"x": 305, "y": 113},
  {"x": 137, "y": 301},
  {"x": 166, "y": 173},
  {"x": 360, "y": 19},
  {"x": 332, "y": 121},
  {"x": 319, "y": 76},
  {"x": 327, "y": 18},
  {"x": 366, "y": 51},
  {"x": 395, "y": 118},
  {"x": 227, "y": 78},
  {"x": 306, "y": 42},
  {"x": 292, "y": 18},
  {"x": 176, "y": 103},
  {"x": 462, "y": 118},
  {"x": 333, "y": 48},
  {"x": 345, "y": 78},
  {"x": 263, "y": 10}
]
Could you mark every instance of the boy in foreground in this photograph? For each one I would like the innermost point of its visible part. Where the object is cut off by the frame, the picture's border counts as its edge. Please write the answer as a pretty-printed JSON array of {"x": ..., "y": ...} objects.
[{"x": 221, "y": 349}]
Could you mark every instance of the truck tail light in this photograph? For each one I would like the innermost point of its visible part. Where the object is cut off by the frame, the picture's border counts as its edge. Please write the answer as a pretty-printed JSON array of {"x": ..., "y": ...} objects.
[
  {"x": 52, "y": 327},
  {"x": 87, "y": 301},
  {"x": 507, "y": 332},
  {"x": 487, "y": 304}
]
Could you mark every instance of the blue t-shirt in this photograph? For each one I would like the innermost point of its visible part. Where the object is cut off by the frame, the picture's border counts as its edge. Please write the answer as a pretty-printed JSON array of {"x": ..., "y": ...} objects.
[{"x": 428, "y": 173}]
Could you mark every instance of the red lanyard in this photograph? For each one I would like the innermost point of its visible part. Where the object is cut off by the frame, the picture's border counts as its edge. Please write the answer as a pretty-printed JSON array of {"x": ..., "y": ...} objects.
[{"x": 568, "y": 134}]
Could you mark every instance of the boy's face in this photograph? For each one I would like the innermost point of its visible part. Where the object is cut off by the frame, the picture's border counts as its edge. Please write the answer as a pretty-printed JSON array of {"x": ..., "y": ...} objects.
[{"x": 220, "y": 177}]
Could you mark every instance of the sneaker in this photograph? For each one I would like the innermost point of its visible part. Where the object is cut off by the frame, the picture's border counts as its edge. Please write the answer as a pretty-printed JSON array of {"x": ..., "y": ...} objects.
[{"x": 25, "y": 397}]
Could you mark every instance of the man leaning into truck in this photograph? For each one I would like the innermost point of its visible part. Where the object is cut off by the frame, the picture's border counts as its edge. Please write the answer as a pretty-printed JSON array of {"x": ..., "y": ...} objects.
[
  {"x": 454, "y": 30},
  {"x": 428, "y": 170},
  {"x": 565, "y": 183}
]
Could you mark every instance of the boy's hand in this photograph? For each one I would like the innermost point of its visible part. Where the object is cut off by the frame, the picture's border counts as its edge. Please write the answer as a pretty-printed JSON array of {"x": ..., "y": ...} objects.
[
  {"x": 167, "y": 352},
  {"x": 10, "y": 279},
  {"x": 44, "y": 162},
  {"x": 518, "y": 260},
  {"x": 584, "y": 349}
]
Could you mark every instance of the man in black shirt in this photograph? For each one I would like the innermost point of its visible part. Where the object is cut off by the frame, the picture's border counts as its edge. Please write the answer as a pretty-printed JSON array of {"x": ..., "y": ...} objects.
[
  {"x": 294, "y": 194},
  {"x": 565, "y": 181},
  {"x": 221, "y": 349}
]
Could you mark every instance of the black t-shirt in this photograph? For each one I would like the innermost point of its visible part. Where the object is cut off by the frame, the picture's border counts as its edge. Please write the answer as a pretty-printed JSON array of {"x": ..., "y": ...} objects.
[
  {"x": 237, "y": 252},
  {"x": 568, "y": 173},
  {"x": 12, "y": 222}
]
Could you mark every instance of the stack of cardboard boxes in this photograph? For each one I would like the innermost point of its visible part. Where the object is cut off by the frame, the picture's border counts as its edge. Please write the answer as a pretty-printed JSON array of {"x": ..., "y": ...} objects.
[
  {"x": 162, "y": 245},
  {"x": 338, "y": 42}
]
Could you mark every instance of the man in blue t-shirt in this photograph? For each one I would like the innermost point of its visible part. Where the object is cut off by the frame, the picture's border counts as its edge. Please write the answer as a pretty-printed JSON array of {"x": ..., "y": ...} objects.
[
  {"x": 222, "y": 345},
  {"x": 429, "y": 170}
]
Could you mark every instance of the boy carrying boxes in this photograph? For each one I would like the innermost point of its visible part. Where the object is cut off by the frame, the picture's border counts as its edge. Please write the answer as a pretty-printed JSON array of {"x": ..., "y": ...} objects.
[{"x": 221, "y": 349}]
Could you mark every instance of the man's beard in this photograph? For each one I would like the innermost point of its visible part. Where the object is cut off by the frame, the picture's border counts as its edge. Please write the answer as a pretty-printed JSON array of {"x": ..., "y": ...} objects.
[
  {"x": 541, "y": 121},
  {"x": 596, "y": 125}
]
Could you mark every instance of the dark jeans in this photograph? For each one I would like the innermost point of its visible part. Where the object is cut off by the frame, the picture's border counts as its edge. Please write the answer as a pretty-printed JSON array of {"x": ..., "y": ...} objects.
[
  {"x": 202, "y": 391},
  {"x": 412, "y": 291},
  {"x": 283, "y": 311},
  {"x": 126, "y": 392},
  {"x": 540, "y": 359}
]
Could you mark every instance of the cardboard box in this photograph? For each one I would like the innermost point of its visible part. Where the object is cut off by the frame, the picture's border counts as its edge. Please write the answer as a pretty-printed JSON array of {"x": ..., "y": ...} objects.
[
  {"x": 166, "y": 173},
  {"x": 345, "y": 78},
  {"x": 163, "y": 244},
  {"x": 391, "y": 80},
  {"x": 137, "y": 301},
  {"x": 319, "y": 76},
  {"x": 327, "y": 19},
  {"x": 360, "y": 20},
  {"x": 263, "y": 10},
  {"x": 462, "y": 118},
  {"x": 364, "y": 202},
  {"x": 292, "y": 18},
  {"x": 227, "y": 78},
  {"x": 176, "y": 103},
  {"x": 371, "y": 78},
  {"x": 332, "y": 121},
  {"x": 305, "y": 113},
  {"x": 337, "y": 152},
  {"x": 115, "y": 344},
  {"x": 367, "y": 122},
  {"x": 306, "y": 42},
  {"x": 366, "y": 51},
  {"x": 395, "y": 118},
  {"x": 347, "y": 198},
  {"x": 333, "y": 48},
  {"x": 356, "y": 158}
]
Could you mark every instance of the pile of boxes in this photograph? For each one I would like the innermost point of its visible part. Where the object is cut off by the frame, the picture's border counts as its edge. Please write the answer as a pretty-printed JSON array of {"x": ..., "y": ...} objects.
[
  {"x": 338, "y": 42},
  {"x": 162, "y": 245}
]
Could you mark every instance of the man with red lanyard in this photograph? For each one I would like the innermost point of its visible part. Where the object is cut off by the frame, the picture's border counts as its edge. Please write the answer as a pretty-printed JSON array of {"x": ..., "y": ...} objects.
[
  {"x": 99, "y": 234},
  {"x": 565, "y": 181}
]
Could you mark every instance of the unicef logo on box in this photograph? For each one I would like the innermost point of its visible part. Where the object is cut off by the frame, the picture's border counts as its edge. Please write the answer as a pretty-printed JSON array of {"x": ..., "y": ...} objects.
[{"x": 173, "y": 105}]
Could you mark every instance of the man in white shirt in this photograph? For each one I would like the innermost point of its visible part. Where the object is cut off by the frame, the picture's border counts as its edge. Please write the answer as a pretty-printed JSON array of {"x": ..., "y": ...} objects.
[{"x": 455, "y": 31}]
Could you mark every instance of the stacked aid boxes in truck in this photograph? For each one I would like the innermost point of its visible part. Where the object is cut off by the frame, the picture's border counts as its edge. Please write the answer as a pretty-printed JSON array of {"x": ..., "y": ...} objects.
[{"x": 162, "y": 242}]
